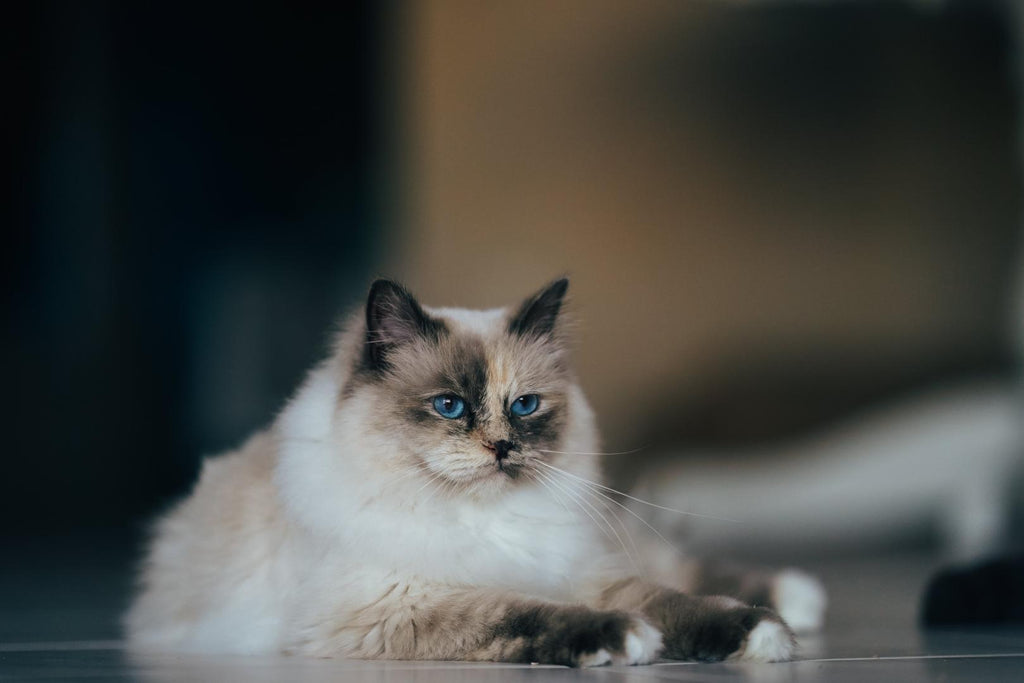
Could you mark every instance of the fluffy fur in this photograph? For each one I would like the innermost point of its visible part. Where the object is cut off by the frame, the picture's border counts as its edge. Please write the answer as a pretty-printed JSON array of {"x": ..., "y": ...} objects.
[{"x": 362, "y": 523}]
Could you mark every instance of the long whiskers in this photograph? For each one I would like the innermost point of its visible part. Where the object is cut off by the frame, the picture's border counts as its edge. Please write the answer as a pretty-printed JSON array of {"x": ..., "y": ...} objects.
[
  {"x": 445, "y": 486},
  {"x": 609, "y": 525},
  {"x": 532, "y": 474},
  {"x": 639, "y": 500},
  {"x": 404, "y": 473},
  {"x": 434, "y": 477},
  {"x": 635, "y": 450},
  {"x": 557, "y": 485},
  {"x": 598, "y": 496},
  {"x": 643, "y": 521}
]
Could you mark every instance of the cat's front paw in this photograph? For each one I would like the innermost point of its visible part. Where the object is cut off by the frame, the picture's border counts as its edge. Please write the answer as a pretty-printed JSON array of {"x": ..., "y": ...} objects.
[
  {"x": 716, "y": 628},
  {"x": 639, "y": 643},
  {"x": 769, "y": 641},
  {"x": 593, "y": 638},
  {"x": 800, "y": 600},
  {"x": 642, "y": 644}
]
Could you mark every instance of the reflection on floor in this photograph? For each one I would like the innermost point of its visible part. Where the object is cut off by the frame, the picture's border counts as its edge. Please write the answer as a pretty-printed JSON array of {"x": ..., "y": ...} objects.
[{"x": 58, "y": 620}]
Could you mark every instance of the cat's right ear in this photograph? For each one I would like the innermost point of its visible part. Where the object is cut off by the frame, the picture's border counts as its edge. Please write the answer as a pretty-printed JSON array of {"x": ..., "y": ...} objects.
[
  {"x": 538, "y": 315},
  {"x": 393, "y": 318}
]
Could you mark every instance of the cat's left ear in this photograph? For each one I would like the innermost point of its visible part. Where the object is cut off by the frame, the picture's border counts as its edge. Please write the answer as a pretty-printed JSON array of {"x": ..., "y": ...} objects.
[
  {"x": 393, "y": 318},
  {"x": 538, "y": 315}
]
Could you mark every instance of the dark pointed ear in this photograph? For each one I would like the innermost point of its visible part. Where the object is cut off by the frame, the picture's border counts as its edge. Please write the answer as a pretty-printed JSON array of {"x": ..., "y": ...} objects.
[
  {"x": 538, "y": 314},
  {"x": 393, "y": 318}
]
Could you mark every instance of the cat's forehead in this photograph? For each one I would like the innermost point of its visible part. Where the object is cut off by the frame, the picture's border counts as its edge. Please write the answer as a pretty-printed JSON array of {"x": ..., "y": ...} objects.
[
  {"x": 478, "y": 348},
  {"x": 485, "y": 324}
]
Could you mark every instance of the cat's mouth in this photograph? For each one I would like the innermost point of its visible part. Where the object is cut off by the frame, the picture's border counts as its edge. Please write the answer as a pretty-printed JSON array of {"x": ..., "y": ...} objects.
[
  {"x": 503, "y": 469},
  {"x": 511, "y": 469},
  {"x": 499, "y": 470}
]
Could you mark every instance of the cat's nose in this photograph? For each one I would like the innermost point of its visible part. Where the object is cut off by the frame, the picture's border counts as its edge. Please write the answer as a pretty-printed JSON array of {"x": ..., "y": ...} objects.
[{"x": 500, "y": 448}]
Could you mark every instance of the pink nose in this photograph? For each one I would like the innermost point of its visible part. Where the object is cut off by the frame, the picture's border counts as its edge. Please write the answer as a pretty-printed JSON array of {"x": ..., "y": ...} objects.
[{"x": 499, "y": 448}]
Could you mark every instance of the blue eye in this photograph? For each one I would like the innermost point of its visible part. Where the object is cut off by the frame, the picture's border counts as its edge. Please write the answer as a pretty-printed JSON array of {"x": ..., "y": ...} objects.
[
  {"x": 526, "y": 404},
  {"x": 449, "y": 406}
]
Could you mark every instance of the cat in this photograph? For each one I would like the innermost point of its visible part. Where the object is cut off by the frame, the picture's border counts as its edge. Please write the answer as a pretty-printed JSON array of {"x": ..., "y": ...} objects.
[{"x": 426, "y": 495}]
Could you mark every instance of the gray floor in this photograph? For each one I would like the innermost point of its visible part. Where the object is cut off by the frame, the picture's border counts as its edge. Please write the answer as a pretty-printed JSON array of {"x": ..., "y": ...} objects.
[{"x": 58, "y": 622}]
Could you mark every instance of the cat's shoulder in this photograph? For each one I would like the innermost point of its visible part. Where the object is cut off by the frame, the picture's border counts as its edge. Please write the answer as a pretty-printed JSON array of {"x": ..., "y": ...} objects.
[
  {"x": 235, "y": 487},
  {"x": 251, "y": 463}
]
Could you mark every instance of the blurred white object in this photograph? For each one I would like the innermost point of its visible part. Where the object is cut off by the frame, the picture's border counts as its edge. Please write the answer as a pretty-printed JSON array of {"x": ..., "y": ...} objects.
[
  {"x": 945, "y": 458},
  {"x": 800, "y": 600}
]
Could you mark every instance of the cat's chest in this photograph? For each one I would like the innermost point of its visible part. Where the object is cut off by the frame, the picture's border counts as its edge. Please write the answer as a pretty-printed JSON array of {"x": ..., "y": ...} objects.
[{"x": 532, "y": 546}]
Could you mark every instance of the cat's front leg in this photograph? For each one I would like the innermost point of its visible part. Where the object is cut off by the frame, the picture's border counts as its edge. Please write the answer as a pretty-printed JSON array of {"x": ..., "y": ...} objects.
[
  {"x": 440, "y": 622},
  {"x": 703, "y": 628},
  {"x": 573, "y": 635},
  {"x": 797, "y": 597}
]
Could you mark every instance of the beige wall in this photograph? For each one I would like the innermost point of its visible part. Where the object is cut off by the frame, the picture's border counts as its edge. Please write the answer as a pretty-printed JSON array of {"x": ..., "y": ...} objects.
[{"x": 711, "y": 212}]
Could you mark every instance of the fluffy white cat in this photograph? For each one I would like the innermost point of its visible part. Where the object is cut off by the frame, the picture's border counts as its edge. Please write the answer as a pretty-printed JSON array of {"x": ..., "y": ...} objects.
[{"x": 420, "y": 498}]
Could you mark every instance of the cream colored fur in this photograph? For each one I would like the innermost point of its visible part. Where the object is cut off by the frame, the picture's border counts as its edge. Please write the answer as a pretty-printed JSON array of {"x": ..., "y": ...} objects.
[
  {"x": 324, "y": 536},
  {"x": 311, "y": 522}
]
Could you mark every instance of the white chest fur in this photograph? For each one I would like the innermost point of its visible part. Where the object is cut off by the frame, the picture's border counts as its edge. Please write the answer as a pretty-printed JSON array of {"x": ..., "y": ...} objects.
[{"x": 360, "y": 518}]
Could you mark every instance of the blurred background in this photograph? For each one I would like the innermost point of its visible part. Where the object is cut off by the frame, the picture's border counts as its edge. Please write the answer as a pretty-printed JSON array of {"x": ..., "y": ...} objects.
[{"x": 778, "y": 217}]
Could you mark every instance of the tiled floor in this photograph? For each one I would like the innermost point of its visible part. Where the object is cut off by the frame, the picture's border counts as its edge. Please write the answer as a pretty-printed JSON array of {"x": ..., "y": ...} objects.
[{"x": 58, "y": 622}]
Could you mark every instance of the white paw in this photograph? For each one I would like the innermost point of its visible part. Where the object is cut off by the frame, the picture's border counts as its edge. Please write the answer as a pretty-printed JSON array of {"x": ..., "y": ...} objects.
[
  {"x": 769, "y": 641},
  {"x": 643, "y": 643},
  {"x": 599, "y": 658},
  {"x": 800, "y": 600}
]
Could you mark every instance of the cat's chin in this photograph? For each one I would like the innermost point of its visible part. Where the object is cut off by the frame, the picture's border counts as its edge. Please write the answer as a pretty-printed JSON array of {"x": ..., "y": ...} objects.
[{"x": 489, "y": 481}]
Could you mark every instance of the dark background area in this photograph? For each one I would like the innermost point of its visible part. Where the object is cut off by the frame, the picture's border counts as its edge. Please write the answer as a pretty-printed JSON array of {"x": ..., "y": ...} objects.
[
  {"x": 193, "y": 202},
  {"x": 199, "y": 190}
]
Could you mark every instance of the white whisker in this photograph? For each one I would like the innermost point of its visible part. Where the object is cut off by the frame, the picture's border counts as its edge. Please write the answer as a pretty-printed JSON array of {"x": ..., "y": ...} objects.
[
  {"x": 625, "y": 530},
  {"x": 436, "y": 475},
  {"x": 448, "y": 488},
  {"x": 635, "y": 450},
  {"x": 437, "y": 487},
  {"x": 657, "y": 533},
  {"x": 572, "y": 498},
  {"x": 640, "y": 500},
  {"x": 622, "y": 543},
  {"x": 554, "y": 494},
  {"x": 405, "y": 473}
]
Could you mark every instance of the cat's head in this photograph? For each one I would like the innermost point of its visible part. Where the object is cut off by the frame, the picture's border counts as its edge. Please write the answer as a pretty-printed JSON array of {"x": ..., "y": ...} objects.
[{"x": 475, "y": 399}]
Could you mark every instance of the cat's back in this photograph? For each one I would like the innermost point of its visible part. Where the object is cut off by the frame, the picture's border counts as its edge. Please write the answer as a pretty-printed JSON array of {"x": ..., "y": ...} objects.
[{"x": 211, "y": 563}]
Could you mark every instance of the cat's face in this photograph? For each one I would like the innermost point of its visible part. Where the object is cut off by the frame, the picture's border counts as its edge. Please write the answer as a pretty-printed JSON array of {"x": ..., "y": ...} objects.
[{"x": 472, "y": 399}]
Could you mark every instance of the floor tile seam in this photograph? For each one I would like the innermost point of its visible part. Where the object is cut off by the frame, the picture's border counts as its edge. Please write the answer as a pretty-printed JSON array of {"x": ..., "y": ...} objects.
[
  {"x": 62, "y": 646},
  {"x": 892, "y": 658}
]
